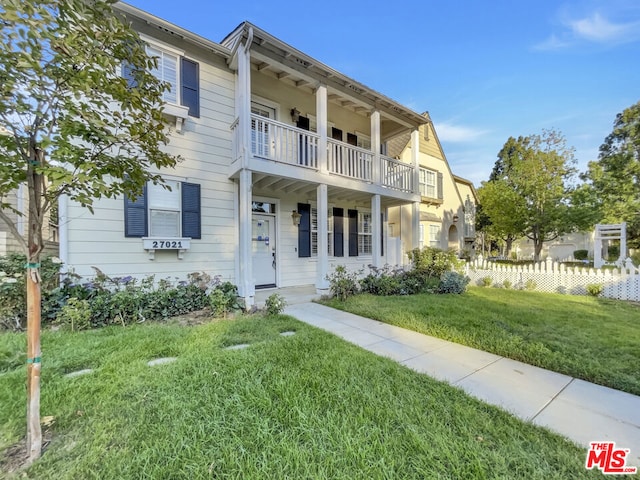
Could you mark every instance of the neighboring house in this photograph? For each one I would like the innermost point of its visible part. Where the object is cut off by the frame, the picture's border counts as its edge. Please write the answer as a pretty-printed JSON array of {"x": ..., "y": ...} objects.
[
  {"x": 282, "y": 179},
  {"x": 447, "y": 202},
  {"x": 18, "y": 200},
  {"x": 560, "y": 249}
]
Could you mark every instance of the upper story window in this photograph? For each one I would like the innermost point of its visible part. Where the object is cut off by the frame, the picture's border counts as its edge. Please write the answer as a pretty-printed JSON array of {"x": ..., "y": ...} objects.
[
  {"x": 427, "y": 183},
  {"x": 182, "y": 74},
  {"x": 469, "y": 218},
  {"x": 431, "y": 184}
]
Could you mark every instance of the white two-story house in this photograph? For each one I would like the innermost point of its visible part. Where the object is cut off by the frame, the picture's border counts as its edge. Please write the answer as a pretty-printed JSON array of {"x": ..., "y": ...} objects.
[{"x": 285, "y": 171}]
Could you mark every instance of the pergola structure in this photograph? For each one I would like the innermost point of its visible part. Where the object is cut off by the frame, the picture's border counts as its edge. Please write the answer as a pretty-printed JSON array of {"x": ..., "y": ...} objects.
[{"x": 606, "y": 233}]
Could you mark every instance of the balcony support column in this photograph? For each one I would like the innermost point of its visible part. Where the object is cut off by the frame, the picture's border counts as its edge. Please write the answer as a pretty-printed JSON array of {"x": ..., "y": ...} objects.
[
  {"x": 322, "y": 267},
  {"x": 415, "y": 225},
  {"x": 376, "y": 233},
  {"x": 243, "y": 102},
  {"x": 246, "y": 286},
  {"x": 376, "y": 141},
  {"x": 415, "y": 159},
  {"x": 322, "y": 120}
]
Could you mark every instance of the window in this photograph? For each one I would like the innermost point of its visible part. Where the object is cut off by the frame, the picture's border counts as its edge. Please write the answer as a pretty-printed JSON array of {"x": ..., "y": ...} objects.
[
  {"x": 434, "y": 236},
  {"x": 181, "y": 73},
  {"x": 159, "y": 212},
  {"x": 421, "y": 236},
  {"x": 364, "y": 233},
  {"x": 428, "y": 183},
  {"x": 469, "y": 219}
]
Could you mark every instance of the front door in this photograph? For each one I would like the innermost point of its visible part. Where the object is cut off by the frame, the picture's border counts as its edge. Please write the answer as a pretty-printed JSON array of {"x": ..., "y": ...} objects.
[{"x": 263, "y": 241}]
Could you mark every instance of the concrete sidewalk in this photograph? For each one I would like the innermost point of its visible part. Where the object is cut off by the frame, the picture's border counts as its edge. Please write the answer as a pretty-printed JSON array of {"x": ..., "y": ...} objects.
[{"x": 582, "y": 411}]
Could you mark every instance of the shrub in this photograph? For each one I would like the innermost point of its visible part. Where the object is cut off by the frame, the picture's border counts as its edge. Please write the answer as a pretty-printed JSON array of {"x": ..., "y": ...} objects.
[
  {"x": 581, "y": 254},
  {"x": 13, "y": 289},
  {"x": 530, "y": 285},
  {"x": 613, "y": 253},
  {"x": 224, "y": 299},
  {"x": 434, "y": 262},
  {"x": 453, "y": 282},
  {"x": 507, "y": 284},
  {"x": 383, "y": 281},
  {"x": 485, "y": 282},
  {"x": 75, "y": 315},
  {"x": 275, "y": 304},
  {"x": 343, "y": 283},
  {"x": 595, "y": 289}
]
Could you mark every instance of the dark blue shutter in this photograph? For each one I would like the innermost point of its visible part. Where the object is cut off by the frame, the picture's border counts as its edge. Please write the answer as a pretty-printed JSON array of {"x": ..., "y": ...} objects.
[
  {"x": 191, "y": 210},
  {"x": 353, "y": 233},
  {"x": 189, "y": 83},
  {"x": 135, "y": 215},
  {"x": 304, "y": 230},
  {"x": 128, "y": 75},
  {"x": 440, "y": 188},
  {"x": 338, "y": 232}
]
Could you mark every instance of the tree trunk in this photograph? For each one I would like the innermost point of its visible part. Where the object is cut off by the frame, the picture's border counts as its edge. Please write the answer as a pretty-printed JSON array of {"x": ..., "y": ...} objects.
[
  {"x": 34, "y": 431},
  {"x": 538, "y": 244},
  {"x": 508, "y": 244}
]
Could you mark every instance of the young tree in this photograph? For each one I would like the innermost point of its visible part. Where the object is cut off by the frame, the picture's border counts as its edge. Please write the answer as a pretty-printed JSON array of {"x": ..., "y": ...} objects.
[
  {"x": 615, "y": 178},
  {"x": 532, "y": 190},
  {"x": 72, "y": 125}
]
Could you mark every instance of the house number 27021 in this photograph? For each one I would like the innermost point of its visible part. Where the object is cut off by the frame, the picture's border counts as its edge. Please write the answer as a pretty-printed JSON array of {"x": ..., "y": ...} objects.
[{"x": 166, "y": 244}]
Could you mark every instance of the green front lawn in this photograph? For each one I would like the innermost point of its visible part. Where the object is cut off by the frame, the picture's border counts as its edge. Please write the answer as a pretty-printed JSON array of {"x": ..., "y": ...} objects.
[
  {"x": 597, "y": 340},
  {"x": 306, "y": 406}
]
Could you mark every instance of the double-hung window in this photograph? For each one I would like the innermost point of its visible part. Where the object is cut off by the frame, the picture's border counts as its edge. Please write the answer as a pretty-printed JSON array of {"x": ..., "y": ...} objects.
[
  {"x": 163, "y": 213},
  {"x": 434, "y": 236},
  {"x": 428, "y": 185},
  {"x": 365, "y": 233},
  {"x": 181, "y": 73}
]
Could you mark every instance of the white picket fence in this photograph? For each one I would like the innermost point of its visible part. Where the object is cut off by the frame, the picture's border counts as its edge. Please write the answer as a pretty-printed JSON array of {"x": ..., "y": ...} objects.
[{"x": 620, "y": 283}]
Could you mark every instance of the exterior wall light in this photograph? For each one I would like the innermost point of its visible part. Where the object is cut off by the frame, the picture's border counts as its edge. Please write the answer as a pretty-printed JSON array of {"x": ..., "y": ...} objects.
[{"x": 295, "y": 217}]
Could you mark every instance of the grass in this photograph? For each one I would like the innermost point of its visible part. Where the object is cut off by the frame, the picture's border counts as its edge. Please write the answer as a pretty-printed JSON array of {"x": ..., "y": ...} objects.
[
  {"x": 597, "y": 340},
  {"x": 306, "y": 406}
]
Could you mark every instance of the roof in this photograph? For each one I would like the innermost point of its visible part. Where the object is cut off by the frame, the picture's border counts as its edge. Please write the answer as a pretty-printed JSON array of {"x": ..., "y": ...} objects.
[{"x": 273, "y": 49}]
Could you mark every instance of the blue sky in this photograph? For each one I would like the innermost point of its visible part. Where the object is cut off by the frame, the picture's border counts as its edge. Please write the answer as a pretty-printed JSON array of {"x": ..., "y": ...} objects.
[{"x": 484, "y": 70}]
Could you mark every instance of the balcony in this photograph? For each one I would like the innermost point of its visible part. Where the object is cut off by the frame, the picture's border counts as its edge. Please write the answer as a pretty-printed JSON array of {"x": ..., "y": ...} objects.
[{"x": 274, "y": 142}]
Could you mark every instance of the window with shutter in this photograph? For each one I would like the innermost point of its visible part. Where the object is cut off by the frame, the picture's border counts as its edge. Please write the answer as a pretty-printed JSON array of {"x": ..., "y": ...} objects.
[
  {"x": 353, "y": 232},
  {"x": 304, "y": 230},
  {"x": 338, "y": 232},
  {"x": 190, "y": 84},
  {"x": 163, "y": 213}
]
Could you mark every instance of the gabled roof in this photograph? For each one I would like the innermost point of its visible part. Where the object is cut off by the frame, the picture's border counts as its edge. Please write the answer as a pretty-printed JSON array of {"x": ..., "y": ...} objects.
[{"x": 294, "y": 62}]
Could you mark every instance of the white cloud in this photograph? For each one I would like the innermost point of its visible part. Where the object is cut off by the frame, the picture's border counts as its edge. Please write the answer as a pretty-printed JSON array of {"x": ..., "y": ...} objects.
[
  {"x": 448, "y": 132},
  {"x": 595, "y": 28}
]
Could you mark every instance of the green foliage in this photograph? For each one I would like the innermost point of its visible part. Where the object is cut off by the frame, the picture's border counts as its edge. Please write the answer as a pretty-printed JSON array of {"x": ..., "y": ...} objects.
[
  {"x": 223, "y": 299},
  {"x": 275, "y": 304},
  {"x": 595, "y": 289},
  {"x": 613, "y": 253},
  {"x": 433, "y": 262},
  {"x": 530, "y": 191},
  {"x": 343, "y": 283},
  {"x": 507, "y": 284},
  {"x": 383, "y": 281},
  {"x": 13, "y": 294},
  {"x": 581, "y": 254},
  {"x": 614, "y": 180},
  {"x": 485, "y": 281},
  {"x": 75, "y": 315},
  {"x": 530, "y": 285},
  {"x": 635, "y": 258},
  {"x": 453, "y": 282}
]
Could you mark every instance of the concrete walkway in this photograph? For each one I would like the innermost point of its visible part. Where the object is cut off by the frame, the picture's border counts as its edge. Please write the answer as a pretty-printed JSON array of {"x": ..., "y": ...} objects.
[{"x": 582, "y": 411}]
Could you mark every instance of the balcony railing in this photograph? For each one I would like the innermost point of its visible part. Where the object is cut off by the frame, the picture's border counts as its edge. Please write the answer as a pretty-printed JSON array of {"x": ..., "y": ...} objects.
[
  {"x": 397, "y": 175},
  {"x": 349, "y": 161},
  {"x": 283, "y": 143}
]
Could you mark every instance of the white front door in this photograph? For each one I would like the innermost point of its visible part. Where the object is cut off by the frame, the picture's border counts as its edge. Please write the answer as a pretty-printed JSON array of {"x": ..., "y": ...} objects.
[{"x": 263, "y": 242}]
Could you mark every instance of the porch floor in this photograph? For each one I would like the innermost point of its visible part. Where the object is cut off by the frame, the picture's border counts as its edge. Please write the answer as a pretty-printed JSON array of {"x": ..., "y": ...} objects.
[{"x": 293, "y": 295}]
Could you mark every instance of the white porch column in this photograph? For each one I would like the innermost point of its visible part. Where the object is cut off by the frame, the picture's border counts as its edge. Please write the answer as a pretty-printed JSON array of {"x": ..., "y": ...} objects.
[
  {"x": 322, "y": 268},
  {"x": 415, "y": 225},
  {"x": 415, "y": 159},
  {"x": 243, "y": 102},
  {"x": 322, "y": 120},
  {"x": 376, "y": 232},
  {"x": 246, "y": 286},
  {"x": 376, "y": 140}
]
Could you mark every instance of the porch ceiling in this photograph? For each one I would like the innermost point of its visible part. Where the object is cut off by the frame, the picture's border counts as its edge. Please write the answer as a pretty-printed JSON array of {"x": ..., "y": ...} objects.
[{"x": 299, "y": 190}]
